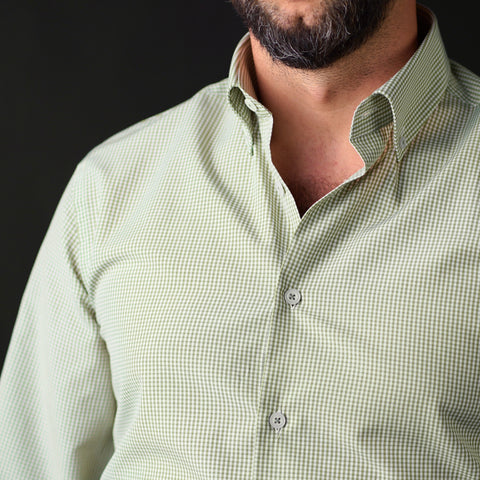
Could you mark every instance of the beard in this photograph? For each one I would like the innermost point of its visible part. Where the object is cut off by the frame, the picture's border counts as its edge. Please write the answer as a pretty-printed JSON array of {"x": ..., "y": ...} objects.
[{"x": 338, "y": 28}]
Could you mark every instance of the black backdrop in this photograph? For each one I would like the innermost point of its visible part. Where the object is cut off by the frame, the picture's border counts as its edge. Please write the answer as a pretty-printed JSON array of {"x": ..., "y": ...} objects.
[{"x": 74, "y": 73}]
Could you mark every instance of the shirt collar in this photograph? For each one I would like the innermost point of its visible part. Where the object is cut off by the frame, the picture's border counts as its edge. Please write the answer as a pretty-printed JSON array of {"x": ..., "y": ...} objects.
[{"x": 408, "y": 98}]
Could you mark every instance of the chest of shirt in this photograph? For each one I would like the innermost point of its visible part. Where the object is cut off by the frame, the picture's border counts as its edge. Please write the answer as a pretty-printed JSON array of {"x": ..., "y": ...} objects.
[{"x": 190, "y": 298}]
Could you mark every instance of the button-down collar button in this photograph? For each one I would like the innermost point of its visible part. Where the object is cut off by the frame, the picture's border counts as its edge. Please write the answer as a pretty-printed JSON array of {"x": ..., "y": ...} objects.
[
  {"x": 366, "y": 114},
  {"x": 293, "y": 297},
  {"x": 279, "y": 187},
  {"x": 402, "y": 142},
  {"x": 277, "y": 421},
  {"x": 249, "y": 103}
]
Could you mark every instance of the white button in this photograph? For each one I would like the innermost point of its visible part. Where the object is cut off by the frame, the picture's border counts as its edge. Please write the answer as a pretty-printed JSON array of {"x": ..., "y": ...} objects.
[
  {"x": 293, "y": 296},
  {"x": 279, "y": 187},
  {"x": 249, "y": 103},
  {"x": 402, "y": 143},
  {"x": 277, "y": 421}
]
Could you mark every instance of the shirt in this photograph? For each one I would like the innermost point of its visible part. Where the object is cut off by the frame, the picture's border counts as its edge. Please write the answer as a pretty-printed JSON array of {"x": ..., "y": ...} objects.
[{"x": 183, "y": 322}]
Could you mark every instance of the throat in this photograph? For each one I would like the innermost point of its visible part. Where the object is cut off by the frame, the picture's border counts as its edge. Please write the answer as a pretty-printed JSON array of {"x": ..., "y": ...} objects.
[
  {"x": 309, "y": 181},
  {"x": 308, "y": 191}
]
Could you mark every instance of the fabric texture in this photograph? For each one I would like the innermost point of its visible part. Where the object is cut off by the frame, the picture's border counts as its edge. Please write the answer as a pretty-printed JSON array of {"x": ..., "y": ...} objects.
[{"x": 155, "y": 338}]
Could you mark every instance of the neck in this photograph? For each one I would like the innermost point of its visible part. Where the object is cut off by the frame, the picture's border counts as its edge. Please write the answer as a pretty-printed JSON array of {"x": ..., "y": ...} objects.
[{"x": 326, "y": 99}]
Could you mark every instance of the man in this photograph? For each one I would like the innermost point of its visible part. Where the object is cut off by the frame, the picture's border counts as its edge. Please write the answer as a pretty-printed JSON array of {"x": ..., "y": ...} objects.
[{"x": 276, "y": 279}]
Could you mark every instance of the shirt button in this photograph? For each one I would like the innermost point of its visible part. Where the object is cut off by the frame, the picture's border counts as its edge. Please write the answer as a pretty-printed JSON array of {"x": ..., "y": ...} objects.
[
  {"x": 279, "y": 187},
  {"x": 402, "y": 143},
  {"x": 249, "y": 103},
  {"x": 293, "y": 297},
  {"x": 277, "y": 421}
]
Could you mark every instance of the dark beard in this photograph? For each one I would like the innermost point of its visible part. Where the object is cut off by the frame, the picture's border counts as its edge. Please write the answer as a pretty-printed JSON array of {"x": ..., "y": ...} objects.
[{"x": 342, "y": 28}]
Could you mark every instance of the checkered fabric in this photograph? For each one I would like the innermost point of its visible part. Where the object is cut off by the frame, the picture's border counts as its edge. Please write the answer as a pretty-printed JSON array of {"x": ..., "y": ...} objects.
[{"x": 182, "y": 321}]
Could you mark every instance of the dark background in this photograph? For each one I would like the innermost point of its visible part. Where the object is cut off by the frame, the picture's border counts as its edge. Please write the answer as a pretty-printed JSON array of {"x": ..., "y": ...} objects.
[{"x": 74, "y": 73}]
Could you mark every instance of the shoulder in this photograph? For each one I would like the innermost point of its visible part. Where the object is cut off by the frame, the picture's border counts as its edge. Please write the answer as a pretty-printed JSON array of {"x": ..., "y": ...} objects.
[
  {"x": 130, "y": 158},
  {"x": 464, "y": 84},
  {"x": 114, "y": 176},
  {"x": 159, "y": 130},
  {"x": 460, "y": 111}
]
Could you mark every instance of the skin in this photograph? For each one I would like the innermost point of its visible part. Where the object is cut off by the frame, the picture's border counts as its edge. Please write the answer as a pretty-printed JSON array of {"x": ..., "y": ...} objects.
[{"x": 313, "y": 109}]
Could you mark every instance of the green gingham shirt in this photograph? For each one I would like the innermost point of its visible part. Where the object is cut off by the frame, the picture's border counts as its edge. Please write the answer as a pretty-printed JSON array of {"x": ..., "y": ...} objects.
[{"x": 183, "y": 322}]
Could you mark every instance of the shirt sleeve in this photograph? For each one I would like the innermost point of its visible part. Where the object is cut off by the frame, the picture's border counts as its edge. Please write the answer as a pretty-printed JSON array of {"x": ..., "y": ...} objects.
[{"x": 57, "y": 405}]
